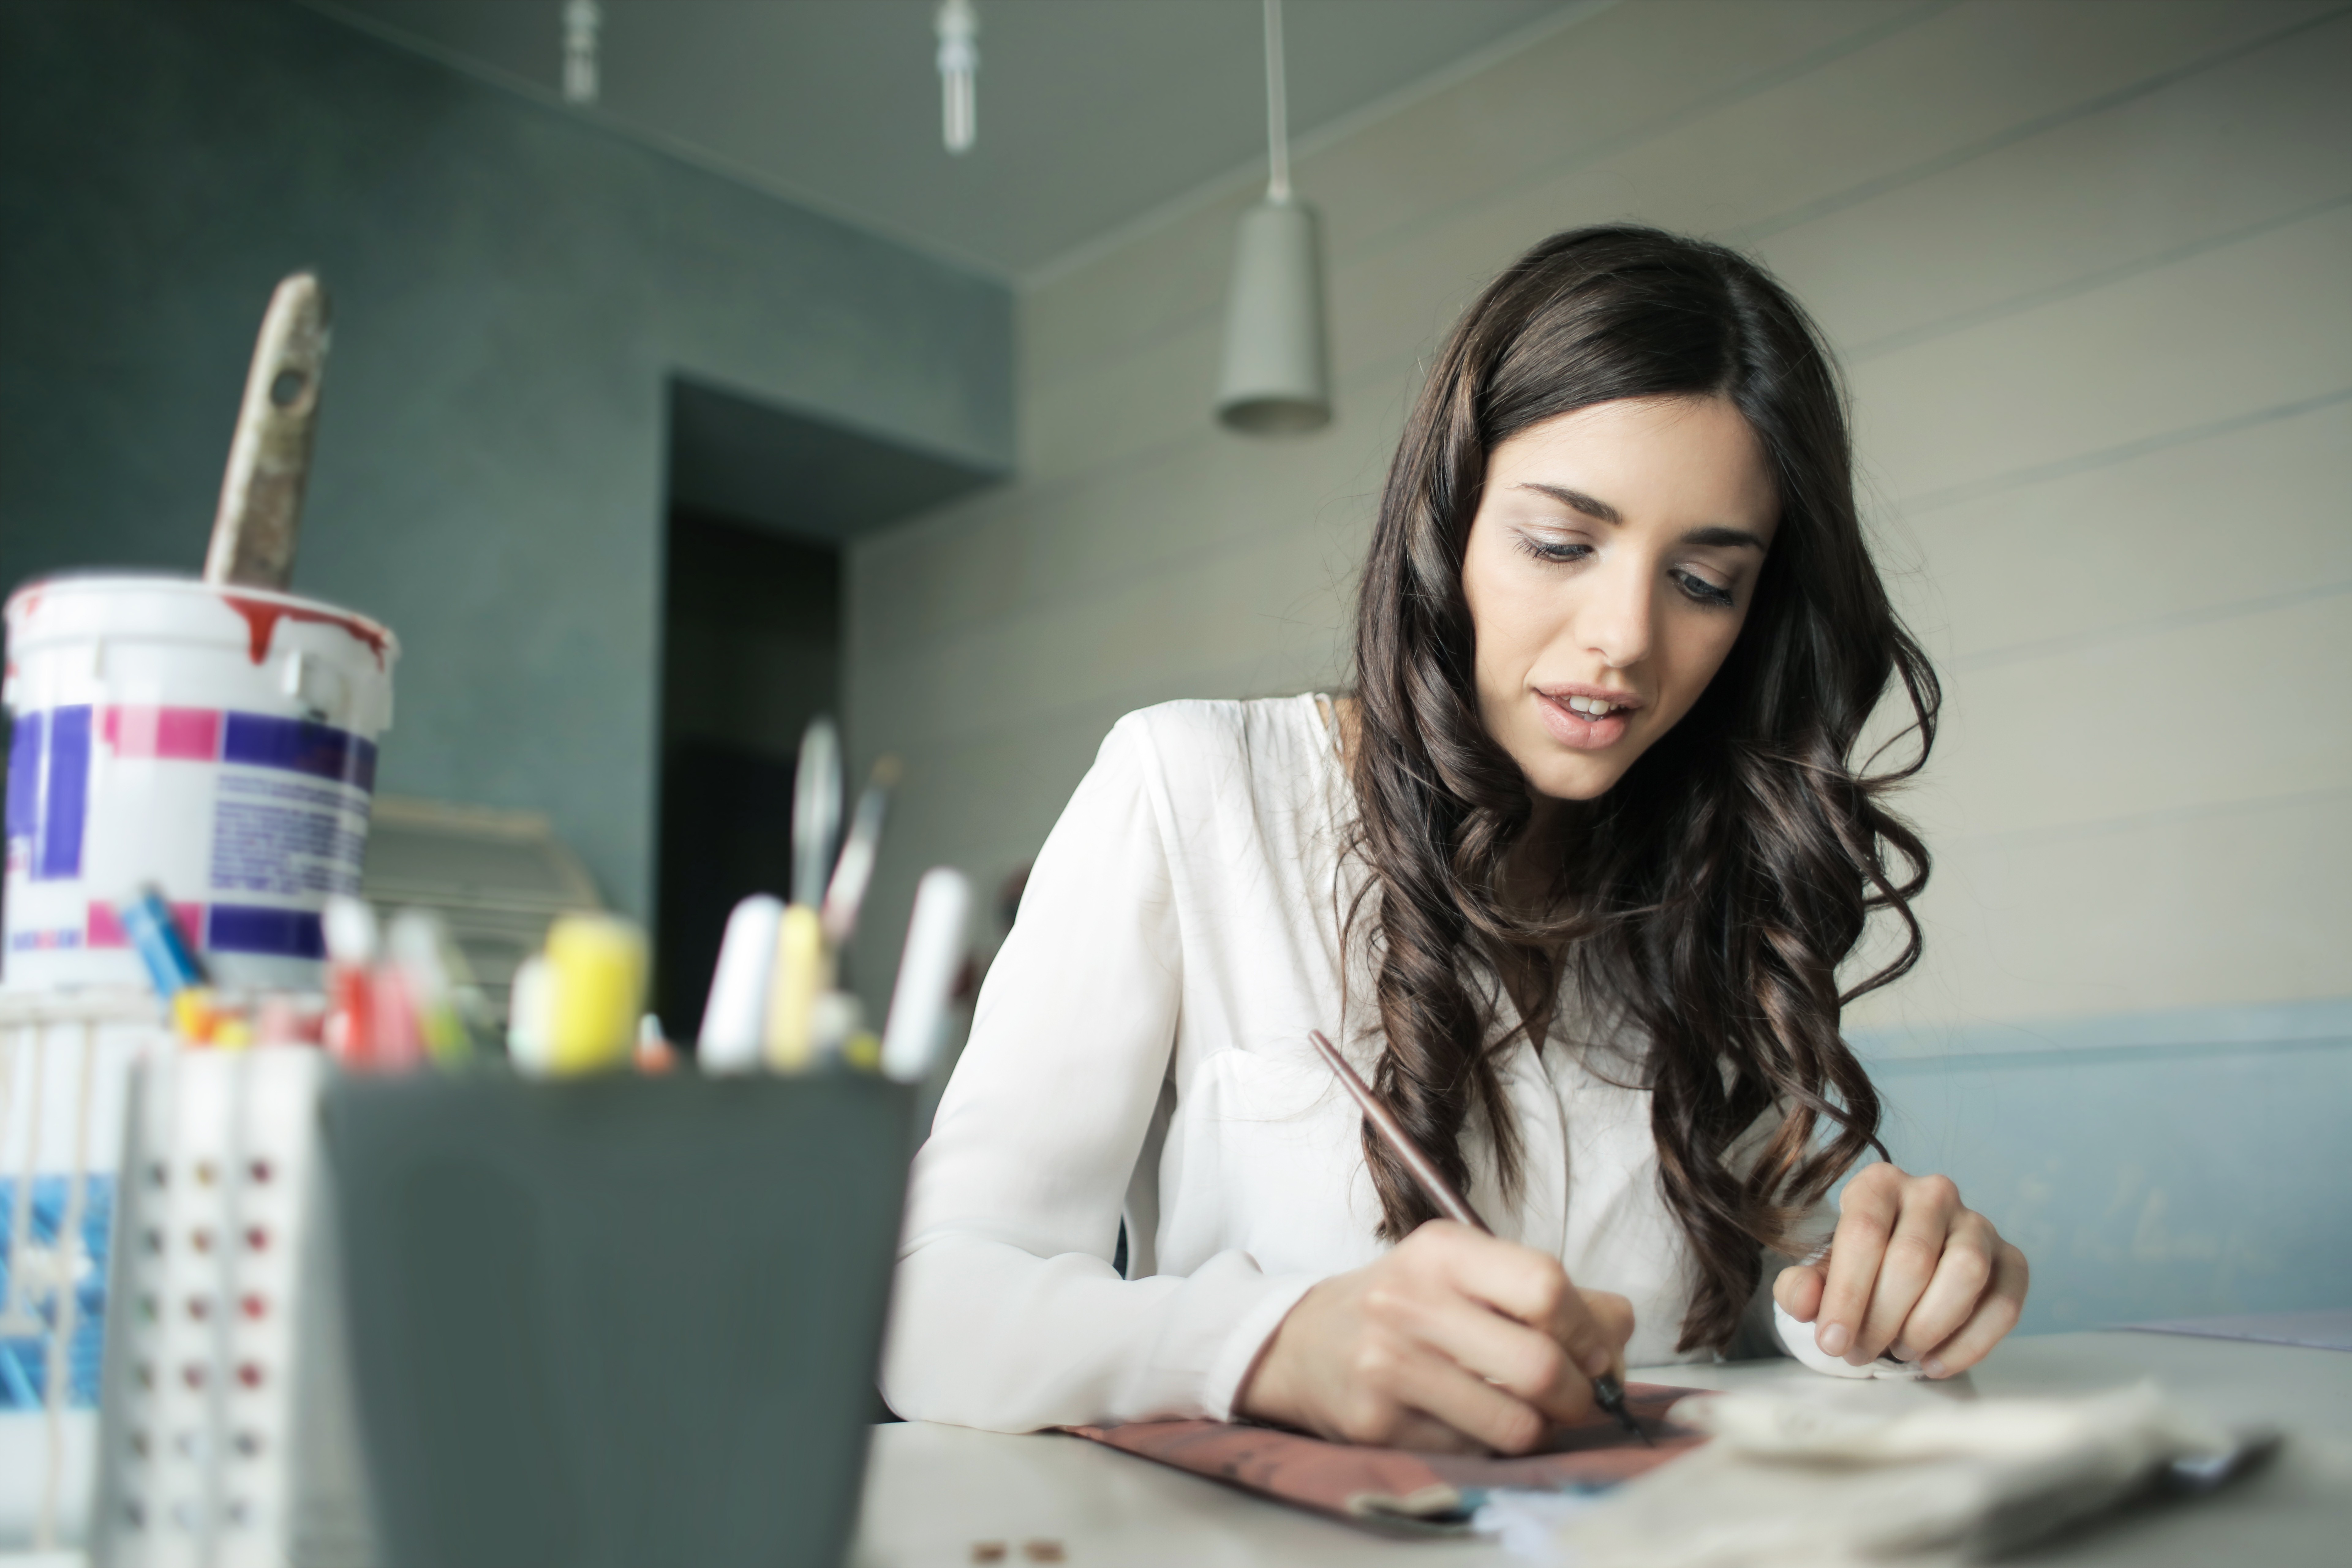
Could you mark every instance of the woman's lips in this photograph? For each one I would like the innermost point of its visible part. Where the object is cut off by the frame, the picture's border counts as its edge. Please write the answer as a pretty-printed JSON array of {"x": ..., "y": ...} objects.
[{"x": 1575, "y": 730}]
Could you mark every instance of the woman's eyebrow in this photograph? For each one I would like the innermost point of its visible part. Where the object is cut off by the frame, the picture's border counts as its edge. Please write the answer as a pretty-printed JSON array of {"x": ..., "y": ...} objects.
[
  {"x": 1577, "y": 500},
  {"x": 1719, "y": 534}
]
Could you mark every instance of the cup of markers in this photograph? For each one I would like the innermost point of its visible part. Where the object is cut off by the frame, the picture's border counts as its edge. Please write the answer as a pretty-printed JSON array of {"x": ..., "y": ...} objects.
[
  {"x": 775, "y": 1005},
  {"x": 399, "y": 996},
  {"x": 775, "y": 1002}
]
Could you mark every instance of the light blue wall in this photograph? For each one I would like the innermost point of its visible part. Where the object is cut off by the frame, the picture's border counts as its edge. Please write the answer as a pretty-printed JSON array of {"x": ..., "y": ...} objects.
[
  {"x": 512, "y": 288},
  {"x": 2151, "y": 1165}
]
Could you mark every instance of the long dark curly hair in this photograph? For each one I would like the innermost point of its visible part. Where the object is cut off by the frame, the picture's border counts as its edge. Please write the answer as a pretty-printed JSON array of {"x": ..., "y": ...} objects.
[{"x": 1705, "y": 902}]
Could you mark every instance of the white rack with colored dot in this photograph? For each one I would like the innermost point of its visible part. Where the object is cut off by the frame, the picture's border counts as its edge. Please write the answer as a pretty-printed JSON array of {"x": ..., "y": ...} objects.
[{"x": 209, "y": 1453}]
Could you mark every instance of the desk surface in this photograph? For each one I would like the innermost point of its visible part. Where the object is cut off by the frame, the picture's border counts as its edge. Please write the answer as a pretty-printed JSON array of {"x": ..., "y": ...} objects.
[{"x": 933, "y": 1491}]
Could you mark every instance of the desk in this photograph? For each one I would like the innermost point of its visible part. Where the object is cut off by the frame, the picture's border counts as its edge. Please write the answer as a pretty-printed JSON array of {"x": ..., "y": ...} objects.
[{"x": 931, "y": 1491}]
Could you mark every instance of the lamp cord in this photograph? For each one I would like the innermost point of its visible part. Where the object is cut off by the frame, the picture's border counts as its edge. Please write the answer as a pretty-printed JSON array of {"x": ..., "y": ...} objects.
[{"x": 1277, "y": 110}]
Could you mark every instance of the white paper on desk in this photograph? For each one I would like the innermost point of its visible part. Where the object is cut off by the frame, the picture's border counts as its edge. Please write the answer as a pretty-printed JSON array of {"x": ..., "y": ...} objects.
[{"x": 1825, "y": 1475}]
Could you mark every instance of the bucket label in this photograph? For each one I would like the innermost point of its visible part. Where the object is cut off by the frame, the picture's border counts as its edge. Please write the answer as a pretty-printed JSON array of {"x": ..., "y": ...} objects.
[
  {"x": 48, "y": 793},
  {"x": 271, "y": 837},
  {"x": 262, "y": 815},
  {"x": 254, "y": 740}
]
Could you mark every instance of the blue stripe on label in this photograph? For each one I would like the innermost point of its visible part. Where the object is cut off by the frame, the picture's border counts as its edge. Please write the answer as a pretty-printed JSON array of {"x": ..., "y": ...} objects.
[
  {"x": 253, "y": 928},
  {"x": 298, "y": 746},
  {"x": 25, "y": 751},
  {"x": 65, "y": 795}
]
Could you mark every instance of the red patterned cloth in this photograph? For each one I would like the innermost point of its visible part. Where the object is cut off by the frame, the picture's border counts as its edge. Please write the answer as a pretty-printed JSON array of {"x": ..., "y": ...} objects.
[{"x": 1375, "y": 1484}]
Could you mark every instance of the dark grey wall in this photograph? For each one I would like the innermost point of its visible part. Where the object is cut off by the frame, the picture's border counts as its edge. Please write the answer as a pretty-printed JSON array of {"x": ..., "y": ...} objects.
[{"x": 512, "y": 288}]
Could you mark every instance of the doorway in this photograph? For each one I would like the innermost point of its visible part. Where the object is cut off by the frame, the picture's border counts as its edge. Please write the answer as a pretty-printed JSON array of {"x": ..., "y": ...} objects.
[
  {"x": 751, "y": 653},
  {"x": 762, "y": 503}
]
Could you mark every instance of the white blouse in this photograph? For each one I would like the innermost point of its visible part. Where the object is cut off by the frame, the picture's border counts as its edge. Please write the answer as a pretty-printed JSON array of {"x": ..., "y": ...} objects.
[{"x": 1140, "y": 1050}]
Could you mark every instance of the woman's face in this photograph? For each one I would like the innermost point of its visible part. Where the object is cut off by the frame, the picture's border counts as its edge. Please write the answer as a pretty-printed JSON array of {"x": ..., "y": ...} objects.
[{"x": 1610, "y": 568}]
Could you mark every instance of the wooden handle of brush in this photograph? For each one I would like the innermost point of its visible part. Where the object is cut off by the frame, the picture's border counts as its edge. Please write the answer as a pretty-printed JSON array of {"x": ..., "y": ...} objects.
[
  {"x": 260, "y": 515},
  {"x": 1424, "y": 1170}
]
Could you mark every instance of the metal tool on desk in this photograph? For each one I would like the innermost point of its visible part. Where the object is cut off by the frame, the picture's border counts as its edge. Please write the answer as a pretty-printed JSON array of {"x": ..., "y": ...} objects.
[
  {"x": 1607, "y": 1392},
  {"x": 853, "y": 873},
  {"x": 803, "y": 962}
]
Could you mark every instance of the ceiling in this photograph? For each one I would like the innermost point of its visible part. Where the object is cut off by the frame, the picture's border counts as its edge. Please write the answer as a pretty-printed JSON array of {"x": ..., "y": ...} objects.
[
  {"x": 749, "y": 462},
  {"x": 1092, "y": 113}
]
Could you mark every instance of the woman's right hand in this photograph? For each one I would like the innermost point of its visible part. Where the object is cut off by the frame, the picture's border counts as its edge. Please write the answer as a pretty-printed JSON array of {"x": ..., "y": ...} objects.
[{"x": 1453, "y": 1342}]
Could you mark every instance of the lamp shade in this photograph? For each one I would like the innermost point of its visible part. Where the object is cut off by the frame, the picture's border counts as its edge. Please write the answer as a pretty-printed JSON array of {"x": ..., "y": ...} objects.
[{"x": 1278, "y": 379}]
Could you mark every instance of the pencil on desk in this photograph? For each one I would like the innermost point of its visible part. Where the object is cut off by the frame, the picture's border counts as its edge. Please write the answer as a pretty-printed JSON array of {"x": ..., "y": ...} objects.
[{"x": 1607, "y": 1392}]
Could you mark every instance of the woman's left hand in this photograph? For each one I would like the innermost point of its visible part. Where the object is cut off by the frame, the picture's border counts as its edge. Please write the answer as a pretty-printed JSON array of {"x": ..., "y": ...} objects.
[{"x": 1910, "y": 1273}]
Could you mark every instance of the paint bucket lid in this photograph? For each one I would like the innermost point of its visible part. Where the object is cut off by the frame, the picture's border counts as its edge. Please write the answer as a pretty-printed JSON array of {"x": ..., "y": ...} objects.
[{"x": 76, "y": 607}]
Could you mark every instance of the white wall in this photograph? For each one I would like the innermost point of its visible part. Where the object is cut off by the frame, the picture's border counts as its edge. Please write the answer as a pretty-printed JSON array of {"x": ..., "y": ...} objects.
[{"x": 2090, "y": 268}]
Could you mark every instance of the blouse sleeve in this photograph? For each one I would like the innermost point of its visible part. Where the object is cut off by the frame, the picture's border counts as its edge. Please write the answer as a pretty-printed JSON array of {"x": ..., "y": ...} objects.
[{"x": 1007, "y": 1312}]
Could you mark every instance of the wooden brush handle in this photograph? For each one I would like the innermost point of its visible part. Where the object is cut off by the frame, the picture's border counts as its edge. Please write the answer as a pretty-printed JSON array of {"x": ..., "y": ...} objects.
[
  {"x": 1425, "y": 1174},
  {"x": 260, "y": 515}
]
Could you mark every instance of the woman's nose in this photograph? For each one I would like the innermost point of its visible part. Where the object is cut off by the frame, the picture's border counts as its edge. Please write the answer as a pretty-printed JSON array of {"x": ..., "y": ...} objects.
[{"x": 1615, "y": 619}]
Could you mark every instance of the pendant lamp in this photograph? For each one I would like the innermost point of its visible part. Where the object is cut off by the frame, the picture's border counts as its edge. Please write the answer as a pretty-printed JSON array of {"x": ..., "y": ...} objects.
[
  {"x": 582, "y": 20},
  {"x": 1278, "y": 378},
  {"x": 958, "y": 27}
]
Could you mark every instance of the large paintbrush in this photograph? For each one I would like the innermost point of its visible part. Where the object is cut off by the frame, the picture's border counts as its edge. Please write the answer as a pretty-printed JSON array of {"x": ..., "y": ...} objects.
[
  {"x": 260, "y": 516},
  {"x": 1607, "y": 1392}
]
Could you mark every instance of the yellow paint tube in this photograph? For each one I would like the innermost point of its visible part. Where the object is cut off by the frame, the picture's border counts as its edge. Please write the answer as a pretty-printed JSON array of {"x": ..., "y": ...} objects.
[
  {"x": 804, "y": 973},
  {"x": 595, "y": 993}
]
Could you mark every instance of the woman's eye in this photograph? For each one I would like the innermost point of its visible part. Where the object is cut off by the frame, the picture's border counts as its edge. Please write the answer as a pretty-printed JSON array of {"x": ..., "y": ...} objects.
[
  {"x": 1704, "y": 591},
  {"x": 1553, "y": 550}
]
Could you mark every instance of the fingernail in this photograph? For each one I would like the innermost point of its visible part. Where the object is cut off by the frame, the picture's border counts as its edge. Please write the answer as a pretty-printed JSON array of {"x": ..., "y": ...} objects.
[
  {"x": 1835, "y": 1339},
  {"x": 1932, "y": 1367},
  {"x": 1596, "y": 1363},
  {"x": 1902, "y": 1351}
]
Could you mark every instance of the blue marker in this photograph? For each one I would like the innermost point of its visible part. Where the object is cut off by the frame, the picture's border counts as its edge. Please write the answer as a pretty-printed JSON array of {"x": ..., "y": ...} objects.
[{"x": 162, "y": 946}]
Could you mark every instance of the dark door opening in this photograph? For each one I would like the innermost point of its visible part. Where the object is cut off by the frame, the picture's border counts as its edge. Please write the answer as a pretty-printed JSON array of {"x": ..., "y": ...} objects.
[
  {"x": 762, "y": 500},
  {"x": 750, "y": 653}
]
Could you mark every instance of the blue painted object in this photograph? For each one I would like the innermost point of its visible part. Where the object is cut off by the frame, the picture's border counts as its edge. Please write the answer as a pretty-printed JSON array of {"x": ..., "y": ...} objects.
[
  {"x": 25, "y": 1362},
  {"x": 162, "y": 946},
  {"x": 2151, "y": 1165}
]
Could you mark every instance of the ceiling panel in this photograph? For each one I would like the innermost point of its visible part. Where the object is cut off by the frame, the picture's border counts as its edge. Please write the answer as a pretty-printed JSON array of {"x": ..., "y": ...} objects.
[{"x": 1091, "y": 112}]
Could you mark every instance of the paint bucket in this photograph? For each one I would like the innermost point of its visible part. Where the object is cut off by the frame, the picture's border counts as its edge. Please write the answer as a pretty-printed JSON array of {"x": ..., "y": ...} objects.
[{"x": 217, "y": 743}]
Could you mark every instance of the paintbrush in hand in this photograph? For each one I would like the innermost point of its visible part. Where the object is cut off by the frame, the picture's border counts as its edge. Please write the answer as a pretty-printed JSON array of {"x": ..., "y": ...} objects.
[{"x": 1607, "y": 1392}]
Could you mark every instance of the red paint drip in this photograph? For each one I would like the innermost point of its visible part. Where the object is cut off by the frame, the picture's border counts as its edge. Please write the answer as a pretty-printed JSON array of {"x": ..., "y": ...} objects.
[{"x": 261, "y": 619}]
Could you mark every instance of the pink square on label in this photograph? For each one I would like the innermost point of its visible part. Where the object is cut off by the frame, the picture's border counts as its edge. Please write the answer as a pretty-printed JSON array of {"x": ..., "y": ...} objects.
[
  {"x": 105, "y": 927},
  {"x": 172, "y": 734}
]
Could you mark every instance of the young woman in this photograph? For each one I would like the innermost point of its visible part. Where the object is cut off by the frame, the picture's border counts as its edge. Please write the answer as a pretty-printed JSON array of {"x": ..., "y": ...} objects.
[{"x": 1570, "y": 877}]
